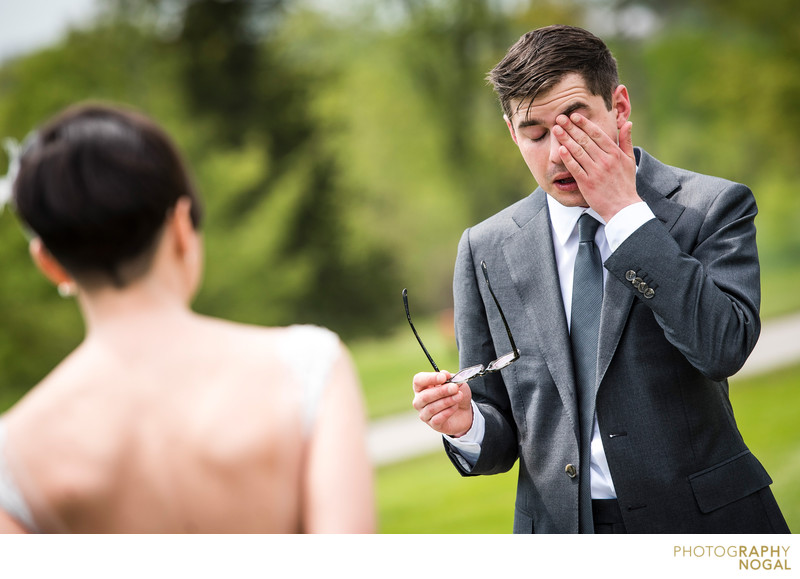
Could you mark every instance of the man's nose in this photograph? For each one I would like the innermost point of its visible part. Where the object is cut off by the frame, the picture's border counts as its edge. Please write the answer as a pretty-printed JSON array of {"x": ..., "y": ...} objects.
[{"x": 555, "y": 158}]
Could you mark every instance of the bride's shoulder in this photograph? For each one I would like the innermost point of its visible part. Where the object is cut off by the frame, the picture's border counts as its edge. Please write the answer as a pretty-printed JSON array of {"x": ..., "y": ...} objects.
[{"x": 309, "y": 336}]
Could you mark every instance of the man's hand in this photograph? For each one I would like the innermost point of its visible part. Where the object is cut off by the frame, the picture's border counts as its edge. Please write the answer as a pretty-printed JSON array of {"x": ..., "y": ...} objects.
[
  {"x": 446, "y": 408},
  {"x": 604, "y": 170}
]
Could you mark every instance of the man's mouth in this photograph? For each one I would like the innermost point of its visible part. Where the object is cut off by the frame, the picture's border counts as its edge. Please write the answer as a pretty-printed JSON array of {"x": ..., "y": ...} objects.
[{"x": 565, "y": 183}]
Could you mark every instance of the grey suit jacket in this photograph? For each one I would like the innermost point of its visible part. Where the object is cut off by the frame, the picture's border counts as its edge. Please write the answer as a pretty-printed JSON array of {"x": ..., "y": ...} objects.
[{"x": 674, "y": 451}]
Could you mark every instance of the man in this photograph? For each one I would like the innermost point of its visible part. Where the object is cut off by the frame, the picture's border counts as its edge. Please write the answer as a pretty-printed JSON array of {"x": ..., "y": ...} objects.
[{"x": 617, "y": 407}]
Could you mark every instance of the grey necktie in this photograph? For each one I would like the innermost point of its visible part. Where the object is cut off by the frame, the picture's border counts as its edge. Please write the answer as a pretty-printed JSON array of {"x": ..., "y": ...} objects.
[{"x": 587, "y": 300}]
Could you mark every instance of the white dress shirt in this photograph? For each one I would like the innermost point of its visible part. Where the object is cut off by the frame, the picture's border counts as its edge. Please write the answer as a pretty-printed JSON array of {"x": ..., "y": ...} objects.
[{"x": 609, "y": 237}]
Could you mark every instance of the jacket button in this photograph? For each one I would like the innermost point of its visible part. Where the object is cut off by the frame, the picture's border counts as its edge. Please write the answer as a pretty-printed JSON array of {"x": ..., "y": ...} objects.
[
  {"x": 649, "y": 293},
  {"x": 571, "y": 471},
  {"x": 630, "y": 275}
]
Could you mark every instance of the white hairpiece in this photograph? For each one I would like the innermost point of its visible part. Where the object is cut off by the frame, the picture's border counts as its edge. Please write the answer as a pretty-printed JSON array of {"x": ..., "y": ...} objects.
[{"x": 14, "y": 149}]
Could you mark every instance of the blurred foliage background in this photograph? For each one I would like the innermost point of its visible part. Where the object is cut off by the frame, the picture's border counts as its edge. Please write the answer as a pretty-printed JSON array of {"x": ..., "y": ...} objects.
[{"x": 341, "y": 147}]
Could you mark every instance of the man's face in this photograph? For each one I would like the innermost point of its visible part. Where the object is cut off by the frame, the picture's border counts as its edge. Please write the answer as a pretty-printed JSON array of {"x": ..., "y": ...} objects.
[{"x": 531, "y": 127}]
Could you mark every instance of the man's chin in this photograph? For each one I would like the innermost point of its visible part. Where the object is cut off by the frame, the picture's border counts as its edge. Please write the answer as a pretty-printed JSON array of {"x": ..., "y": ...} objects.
[{"x": 570, "y": 199}]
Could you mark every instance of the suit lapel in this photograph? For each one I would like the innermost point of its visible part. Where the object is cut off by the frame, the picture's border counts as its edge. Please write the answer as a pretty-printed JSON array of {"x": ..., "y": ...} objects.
[
  {"x": 617, "y": 301},
  {"x": 655, "y": 182},
  {"x": 531, "y": 260}
]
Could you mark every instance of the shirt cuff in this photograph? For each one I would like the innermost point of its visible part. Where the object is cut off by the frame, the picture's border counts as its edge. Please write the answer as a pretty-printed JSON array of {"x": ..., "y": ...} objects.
[
  {"x": 469, "y": 445},
  {"x": 624, "y": 223}
]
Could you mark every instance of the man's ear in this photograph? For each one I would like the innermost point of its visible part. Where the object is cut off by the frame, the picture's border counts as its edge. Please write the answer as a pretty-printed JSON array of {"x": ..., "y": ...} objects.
[
  {"x": 48, "y": 264},
  {"x": 621, "y": 103},
  {"x": 510, "y": 128}
]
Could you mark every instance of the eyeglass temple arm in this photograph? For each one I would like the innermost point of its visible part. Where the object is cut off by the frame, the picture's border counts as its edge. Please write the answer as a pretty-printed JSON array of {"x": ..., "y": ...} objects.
[
  {"x": 499, "y": 309},
  {"x": 413, "y": 329}
]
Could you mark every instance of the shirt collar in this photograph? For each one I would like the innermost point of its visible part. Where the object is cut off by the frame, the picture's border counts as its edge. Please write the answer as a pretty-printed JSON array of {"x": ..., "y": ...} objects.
[{"x": 563, "y": 219}]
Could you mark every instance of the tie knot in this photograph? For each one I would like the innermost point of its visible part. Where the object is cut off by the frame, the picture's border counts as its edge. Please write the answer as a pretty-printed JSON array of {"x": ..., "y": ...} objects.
[{"x": 587, "y": 227}]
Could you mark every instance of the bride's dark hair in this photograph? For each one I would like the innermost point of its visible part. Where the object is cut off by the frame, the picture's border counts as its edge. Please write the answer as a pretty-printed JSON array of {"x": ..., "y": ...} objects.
[{"x": 96, "y": 184}]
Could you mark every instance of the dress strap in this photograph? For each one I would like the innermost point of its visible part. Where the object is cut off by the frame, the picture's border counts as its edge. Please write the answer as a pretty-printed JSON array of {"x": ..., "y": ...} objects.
[
  {"x": 11, "y": 499},
  {"x": 310, "y": 352}
]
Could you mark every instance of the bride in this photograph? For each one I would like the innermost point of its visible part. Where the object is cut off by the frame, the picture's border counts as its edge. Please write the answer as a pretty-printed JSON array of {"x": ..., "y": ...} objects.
[{"x": 164, "y": 420}]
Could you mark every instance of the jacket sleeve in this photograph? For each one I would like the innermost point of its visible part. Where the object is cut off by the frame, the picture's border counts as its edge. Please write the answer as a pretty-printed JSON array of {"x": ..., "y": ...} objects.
[
  {"x": 705, "y": 292},
  {"x": 475, "y": 346}
]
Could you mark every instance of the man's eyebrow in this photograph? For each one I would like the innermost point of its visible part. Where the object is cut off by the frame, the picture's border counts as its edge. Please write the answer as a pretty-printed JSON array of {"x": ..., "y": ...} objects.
[{"x": 573, "y": 107}]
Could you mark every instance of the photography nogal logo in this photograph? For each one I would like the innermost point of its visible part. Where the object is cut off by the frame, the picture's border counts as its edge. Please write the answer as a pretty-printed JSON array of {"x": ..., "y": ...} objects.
[{"x": 747, "y": 557}]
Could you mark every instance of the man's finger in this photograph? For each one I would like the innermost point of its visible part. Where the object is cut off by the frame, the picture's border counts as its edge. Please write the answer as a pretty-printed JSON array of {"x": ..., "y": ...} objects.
[
  {"x": 626, "y": 139},
  {"x": 571, "y": 163},
  {"x": 424, "y": 380},
  {"x": 434, "y": 408},
  {"x": 587, "y": 133},
  {"x": 432, "y": 394}
]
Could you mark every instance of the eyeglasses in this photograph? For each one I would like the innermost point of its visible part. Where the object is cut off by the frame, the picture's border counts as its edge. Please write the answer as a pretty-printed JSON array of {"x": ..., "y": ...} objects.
[{"x": 468, "y": 374}]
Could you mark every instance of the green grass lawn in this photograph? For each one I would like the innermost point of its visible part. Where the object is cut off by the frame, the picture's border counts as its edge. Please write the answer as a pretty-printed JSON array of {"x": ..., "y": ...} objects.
[
  {"x": 427, "y": 495},
  {"x": 767, "y": 410}
]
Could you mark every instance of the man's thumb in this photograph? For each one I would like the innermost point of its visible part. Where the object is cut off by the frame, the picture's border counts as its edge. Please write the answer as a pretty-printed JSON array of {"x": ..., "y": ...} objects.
[{"x": 626, "y": 139}]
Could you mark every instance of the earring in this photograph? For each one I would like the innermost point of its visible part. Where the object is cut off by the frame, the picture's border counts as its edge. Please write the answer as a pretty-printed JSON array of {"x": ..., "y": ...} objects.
[{"x": 66, "y": 289}]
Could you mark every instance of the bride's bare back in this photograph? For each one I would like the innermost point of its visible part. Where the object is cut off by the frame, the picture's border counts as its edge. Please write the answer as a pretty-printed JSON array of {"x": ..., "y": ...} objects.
[{"x": 200, "y": 426}]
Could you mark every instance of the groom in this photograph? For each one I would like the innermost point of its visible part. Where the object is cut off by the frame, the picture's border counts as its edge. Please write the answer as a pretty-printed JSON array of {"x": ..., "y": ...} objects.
[{"x": 632, "y": 291}]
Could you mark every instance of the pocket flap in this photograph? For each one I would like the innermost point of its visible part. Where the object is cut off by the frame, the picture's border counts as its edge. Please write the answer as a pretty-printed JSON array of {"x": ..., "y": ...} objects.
[{"x": 728, "y": 481}]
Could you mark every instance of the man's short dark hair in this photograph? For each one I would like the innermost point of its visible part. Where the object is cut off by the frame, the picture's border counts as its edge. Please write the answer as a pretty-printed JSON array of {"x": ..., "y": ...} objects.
[{"x": 542, "y": 57}]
